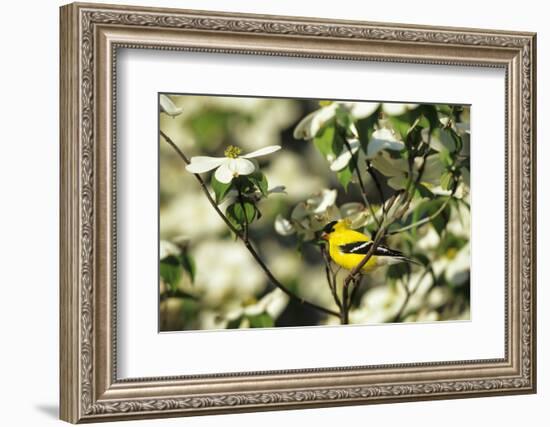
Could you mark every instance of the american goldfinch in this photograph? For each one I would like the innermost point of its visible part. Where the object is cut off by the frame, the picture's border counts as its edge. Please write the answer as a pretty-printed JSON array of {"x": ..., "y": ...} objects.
[{"x": 348, "y": 248}]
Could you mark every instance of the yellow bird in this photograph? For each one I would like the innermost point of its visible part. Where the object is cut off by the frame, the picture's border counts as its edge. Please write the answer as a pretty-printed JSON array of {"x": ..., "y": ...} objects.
[{"x": 348, "y": 248}]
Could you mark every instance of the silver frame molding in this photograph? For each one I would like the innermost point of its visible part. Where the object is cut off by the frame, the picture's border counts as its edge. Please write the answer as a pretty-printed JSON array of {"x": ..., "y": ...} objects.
[{"x": 90, "y": 37}]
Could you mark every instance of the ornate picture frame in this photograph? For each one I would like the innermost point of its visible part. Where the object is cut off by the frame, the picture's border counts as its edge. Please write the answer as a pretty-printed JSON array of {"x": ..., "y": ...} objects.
[{"x": 90, "y": 37}]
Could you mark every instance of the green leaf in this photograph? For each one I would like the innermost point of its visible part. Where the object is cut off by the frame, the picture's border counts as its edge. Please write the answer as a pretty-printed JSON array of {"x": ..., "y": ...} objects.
[
  {"x": 323, "y": 140},
  {"x": 260, "y": 181},
  {"x": 400, "y": 126},
  {"x": 447, "y": 181},
  {"x": 188, "y": 264},
  {"x": 451, "y": 140},
  {"x": 241, "y": 213},
  {"x": 220, "y": 189},
  {"x": 263, "y": 320},
  {"x": 424, "y": 191},
  {"x": 343, "y": 117},
  {"x": 430, "y": 113},
  {"x": 338, "y": 144},
  {"x": 365, "y": 128},
  {"x": 344, "y": 176},
  {"x": 428, "y": 208},
  {"x": 171, "y": 271},
  {"x": 440, "y": 221}
]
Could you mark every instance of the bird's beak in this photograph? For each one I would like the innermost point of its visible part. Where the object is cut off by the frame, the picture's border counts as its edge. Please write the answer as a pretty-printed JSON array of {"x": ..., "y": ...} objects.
[{"x": 324, "y": 236}]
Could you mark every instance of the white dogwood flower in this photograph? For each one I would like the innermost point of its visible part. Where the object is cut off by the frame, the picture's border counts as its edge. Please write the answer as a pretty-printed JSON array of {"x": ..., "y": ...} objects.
[{"x": 230, "y": 166}]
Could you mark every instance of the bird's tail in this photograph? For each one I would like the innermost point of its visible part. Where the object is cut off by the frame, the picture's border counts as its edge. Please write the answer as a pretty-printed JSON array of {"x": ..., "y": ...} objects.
[
  {"x": 402, "y": 258},
  {"x": 409, "y": 260}
]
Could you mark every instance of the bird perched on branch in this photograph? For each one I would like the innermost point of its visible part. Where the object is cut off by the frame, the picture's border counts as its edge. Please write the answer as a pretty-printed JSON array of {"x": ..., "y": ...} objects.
[{"x": 348, "y": 248}]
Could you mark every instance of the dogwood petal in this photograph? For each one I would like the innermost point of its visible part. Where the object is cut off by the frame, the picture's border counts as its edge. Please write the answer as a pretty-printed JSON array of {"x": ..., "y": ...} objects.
[
  {"x": 262, "y": 152},
  {"x": 278, "y": 189},
  {"x": 240, "y": 166},
  {"x": 223, "y": 174},
  {"x": 200, "y": 164},
  {"x": 361, "y": 110},
  {"x": 272, "y": 303},
  {"x": 383, "y": 139},
  {"x": 343, "y": 159},
  {"x": 283, "y": 226},
  {"x": 303, "y": 128},
  {"x": 351, "y": 208},
  {"x": 398, "y": 182},
  {"x": 388, "y": 166},
  {"x": 167, "y": 106},
  {"x": 320, "y": 202},
  {"x": 396, "y": 109},
  {"x": 167, "y": 248},
  {"x": 310, "y": 124}
]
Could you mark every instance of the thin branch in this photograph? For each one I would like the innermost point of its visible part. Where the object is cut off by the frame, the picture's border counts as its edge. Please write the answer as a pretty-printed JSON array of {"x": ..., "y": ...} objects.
[
  {"x": 331, "y": 277},
  {"x": 423, "y": 220},
  {"x": 377, "y": 184},
  {"x": 409, "y": 294},
  {"x": 344, "y": 313},
  {"x": 202, "y": 184},
  {"x": 246, "y": 242},
  {"x": 241, "y": 202},
  {"x": 354, "y": 290},
  {"x": 360, "y": 181}
]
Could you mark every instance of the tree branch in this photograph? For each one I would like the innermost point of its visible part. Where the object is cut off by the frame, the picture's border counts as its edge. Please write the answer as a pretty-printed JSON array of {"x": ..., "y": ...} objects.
[
  {"x": 246, "y": 241},
  {"x": 423, "y": 220},
  {"x": 377, "y": 184},
  {"x": 360, "y": 181},
  {"x": 409, "y": 294},
  {"x": 354, "y": 290},
  {"x": 331, "y": 277}
]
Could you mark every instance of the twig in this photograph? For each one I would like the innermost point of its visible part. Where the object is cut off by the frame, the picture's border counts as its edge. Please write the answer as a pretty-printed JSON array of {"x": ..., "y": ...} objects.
[
  {"x": 331, "y": 277},
  {"x": 423, "y": 220},
  {"x": 344, "y": 313},
  {"x": 241, "y": 202},
  {"x": 377, "y": 184},
  {"x": 409, "y": 294},
  {"x": 246, "y": 242},
  {"x": 354, "y": 290},
  {"x": 360, "y": 181}
]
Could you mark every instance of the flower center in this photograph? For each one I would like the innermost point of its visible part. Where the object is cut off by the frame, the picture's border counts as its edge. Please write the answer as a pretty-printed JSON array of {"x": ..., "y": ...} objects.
[
  {"x": 324, "y": 103},
  {"x": 232, "y": 152}
]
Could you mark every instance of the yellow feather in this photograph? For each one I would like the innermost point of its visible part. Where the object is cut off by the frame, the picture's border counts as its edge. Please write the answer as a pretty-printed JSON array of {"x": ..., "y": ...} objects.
[{"x": 343, "y": 235}]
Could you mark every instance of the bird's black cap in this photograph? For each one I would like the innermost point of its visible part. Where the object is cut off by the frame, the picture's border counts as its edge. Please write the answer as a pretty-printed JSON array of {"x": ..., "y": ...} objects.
[{"x": 329, "y": 228}]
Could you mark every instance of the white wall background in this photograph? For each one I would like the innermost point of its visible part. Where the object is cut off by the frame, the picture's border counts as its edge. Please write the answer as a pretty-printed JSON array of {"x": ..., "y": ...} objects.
[{"x": 29, "y": 170}]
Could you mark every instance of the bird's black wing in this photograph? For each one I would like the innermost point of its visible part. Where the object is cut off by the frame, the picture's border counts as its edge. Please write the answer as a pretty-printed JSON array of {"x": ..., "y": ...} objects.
[{"x": 362, "y": 248}]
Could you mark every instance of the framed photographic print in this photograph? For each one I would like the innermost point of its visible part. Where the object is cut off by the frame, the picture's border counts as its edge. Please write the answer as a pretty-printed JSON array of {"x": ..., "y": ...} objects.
[{"x": 265, "y": 212}]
